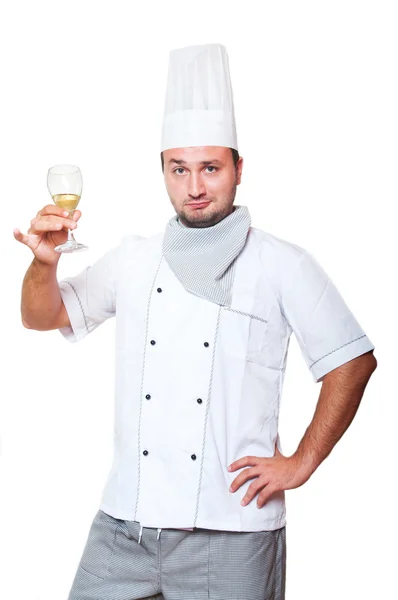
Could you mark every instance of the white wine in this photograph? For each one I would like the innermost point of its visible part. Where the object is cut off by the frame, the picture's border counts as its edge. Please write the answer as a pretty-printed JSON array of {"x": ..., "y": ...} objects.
[
  {"x": 62, "y": 180},
  {"x": 67, "y": 201}
]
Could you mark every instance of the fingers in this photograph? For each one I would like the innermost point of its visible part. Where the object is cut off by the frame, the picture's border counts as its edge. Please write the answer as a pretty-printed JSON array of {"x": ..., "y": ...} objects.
[
  {"x": 243, "y": 477},
  {"x": 53, "y": 209},
  {"x": 49, "y": 218},
  {"x": 75, "y": 215},
  {"x": 51, "y": 223}
]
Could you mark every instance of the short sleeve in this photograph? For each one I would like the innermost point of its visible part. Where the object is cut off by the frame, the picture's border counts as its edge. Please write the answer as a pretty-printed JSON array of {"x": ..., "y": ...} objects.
[
  {"x": 326, "y": 330},
  {"x": 89, "y": 296}
]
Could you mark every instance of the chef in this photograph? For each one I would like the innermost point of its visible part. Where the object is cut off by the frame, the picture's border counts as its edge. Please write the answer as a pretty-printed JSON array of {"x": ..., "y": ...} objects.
[{"x": 194, "y": 503}]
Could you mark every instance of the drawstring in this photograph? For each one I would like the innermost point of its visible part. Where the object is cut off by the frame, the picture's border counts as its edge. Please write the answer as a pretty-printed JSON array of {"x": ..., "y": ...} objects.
[{"x": 159, "y": 529}]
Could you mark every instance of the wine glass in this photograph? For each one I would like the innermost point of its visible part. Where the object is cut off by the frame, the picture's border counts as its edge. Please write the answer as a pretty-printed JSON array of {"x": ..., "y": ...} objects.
[{"x": 65, "y": 184}]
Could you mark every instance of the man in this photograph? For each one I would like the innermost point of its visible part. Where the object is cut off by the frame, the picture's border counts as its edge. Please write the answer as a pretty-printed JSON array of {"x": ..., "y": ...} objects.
[{"x": 205, "y": 311}]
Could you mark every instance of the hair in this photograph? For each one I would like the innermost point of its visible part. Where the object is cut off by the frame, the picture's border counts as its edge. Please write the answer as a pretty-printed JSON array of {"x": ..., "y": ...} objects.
[{"x": 235, "y": 157}]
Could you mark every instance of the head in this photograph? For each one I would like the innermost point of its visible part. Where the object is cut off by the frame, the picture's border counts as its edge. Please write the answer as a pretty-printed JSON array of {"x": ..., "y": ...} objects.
[{"x": 202, "y": 174}]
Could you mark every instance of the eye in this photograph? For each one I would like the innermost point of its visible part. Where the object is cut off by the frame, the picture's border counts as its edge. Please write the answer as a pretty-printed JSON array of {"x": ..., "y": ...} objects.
[{"x": 182, "y": 169}]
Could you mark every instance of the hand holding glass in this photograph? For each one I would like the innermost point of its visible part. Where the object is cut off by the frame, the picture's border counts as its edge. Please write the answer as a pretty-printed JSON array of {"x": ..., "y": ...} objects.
[{"x": 65, "y": 184}]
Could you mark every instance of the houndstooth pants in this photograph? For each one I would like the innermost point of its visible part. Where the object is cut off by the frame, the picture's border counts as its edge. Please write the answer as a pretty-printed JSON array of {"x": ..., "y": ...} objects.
[{"x": 170, "y": 564}]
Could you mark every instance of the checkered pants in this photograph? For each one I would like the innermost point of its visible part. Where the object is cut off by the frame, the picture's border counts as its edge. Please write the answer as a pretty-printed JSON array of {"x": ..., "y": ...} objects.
[{"x": 170, "y": 564}]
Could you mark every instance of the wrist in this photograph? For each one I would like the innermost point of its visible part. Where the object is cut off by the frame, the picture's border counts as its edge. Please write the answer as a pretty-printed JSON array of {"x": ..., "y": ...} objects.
[
  {"x": 45, "y": 265},
  {"x": 305, "y": 463}
]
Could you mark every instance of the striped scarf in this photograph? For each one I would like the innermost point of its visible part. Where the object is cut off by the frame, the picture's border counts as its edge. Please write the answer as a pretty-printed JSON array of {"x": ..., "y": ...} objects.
[{"x": 203, "y": 258}]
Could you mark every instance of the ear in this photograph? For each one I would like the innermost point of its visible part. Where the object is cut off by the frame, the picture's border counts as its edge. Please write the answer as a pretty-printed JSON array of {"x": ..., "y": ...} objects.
[{"x": 239, "y": 167}]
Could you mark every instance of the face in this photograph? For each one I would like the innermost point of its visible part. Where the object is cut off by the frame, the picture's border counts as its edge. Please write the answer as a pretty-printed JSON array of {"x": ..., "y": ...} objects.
[{"x": 201, "y": 183}]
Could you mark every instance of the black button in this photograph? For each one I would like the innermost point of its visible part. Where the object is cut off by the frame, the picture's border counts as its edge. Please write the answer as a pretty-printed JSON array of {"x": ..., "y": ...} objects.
[
  {"x": 206, "y": 344},
  {"x": 145, "y": 453},
  {"x": 193, "y": 456},
  {"x": 153, "y": 342},
  {"x": 148, "y": 396},
  {"x": 199, "y": 400},
  {"x": 159, "y": 290}
]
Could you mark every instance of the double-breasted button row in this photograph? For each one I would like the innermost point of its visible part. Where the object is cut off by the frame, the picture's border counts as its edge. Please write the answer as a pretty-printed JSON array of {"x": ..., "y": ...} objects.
[
  {"x": 206, "y": 344},
  {"x": 148, "y": 396},
  {"x": 199, "y": 400},
  {"x": 145, "y": 453}
]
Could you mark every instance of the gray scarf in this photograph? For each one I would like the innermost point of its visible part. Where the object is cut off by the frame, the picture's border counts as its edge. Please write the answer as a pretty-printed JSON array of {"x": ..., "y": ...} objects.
[{"x": 203, "y": 258}]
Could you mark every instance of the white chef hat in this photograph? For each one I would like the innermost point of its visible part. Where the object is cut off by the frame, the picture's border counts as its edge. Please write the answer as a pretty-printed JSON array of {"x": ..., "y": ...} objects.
[{"x": 199, "y": 108}]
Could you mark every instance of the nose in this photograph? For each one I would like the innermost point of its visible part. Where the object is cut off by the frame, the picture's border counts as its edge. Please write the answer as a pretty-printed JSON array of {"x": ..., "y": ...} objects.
[{"x": 196, "y": 186}]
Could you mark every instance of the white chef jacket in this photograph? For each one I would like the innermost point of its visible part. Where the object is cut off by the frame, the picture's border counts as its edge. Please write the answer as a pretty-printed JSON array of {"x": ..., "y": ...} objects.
[{"x": 198, "y": 385}]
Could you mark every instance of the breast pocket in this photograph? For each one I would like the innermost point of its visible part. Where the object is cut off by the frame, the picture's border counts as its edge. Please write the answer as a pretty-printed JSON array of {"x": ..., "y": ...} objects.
[{"x": 257, "y": 339}]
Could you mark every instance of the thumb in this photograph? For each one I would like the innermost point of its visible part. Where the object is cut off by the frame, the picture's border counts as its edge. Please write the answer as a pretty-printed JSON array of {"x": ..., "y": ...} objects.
[{"x": 21, "y": 237}]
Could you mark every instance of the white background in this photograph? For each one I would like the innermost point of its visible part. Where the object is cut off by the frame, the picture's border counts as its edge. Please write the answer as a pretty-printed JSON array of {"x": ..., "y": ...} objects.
[{"x": 315, "y": 91}]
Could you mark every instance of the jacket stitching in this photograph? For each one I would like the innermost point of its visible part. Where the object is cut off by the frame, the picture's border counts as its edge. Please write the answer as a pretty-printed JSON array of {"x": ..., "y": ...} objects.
[
  {"x": 241, "y": 312},
  {"x": 339, "y": 348},
  {"x": 142, "y": 389},
  {"x": 206, "y": 416},
  {"x": 80, "y": 304}
]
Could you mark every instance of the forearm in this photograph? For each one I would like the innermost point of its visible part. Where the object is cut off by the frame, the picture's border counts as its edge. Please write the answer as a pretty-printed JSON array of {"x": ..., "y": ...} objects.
[
  {"x": 338, "y": 402},
  {"x": 41, "y": 299}
]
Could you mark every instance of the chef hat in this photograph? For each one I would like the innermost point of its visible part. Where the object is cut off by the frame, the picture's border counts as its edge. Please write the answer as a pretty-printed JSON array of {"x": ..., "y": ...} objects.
[{"x": 199, "y": 109}]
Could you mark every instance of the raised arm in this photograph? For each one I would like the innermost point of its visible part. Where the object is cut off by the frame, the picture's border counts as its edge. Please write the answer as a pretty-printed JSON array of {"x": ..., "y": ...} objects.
[{"x": 42, "y": 307}]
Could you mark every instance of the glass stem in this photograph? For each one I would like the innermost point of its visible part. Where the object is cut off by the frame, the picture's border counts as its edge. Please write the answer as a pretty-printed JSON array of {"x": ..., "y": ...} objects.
[{"x": 70, "y": 232}]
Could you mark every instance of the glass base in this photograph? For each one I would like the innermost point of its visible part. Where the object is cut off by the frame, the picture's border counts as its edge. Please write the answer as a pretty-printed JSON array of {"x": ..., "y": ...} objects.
[{"x": 70, "y": 246}]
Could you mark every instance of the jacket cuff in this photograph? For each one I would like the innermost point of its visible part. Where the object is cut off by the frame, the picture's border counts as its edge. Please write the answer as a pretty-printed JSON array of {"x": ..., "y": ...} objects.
[
  {"x": 74, "y": 307},
  {"x": 340, "y": 355}
]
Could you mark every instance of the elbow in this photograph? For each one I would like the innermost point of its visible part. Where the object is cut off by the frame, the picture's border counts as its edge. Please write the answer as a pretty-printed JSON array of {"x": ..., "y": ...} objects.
[
  {"x": 372, "y": 361},
  {"x": 357, "y": 369},
  {"x": 366, "y": 365}
]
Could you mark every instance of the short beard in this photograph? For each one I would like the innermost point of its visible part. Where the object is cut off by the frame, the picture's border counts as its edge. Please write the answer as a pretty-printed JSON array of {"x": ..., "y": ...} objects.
[{"x": 210, "y": 215}]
